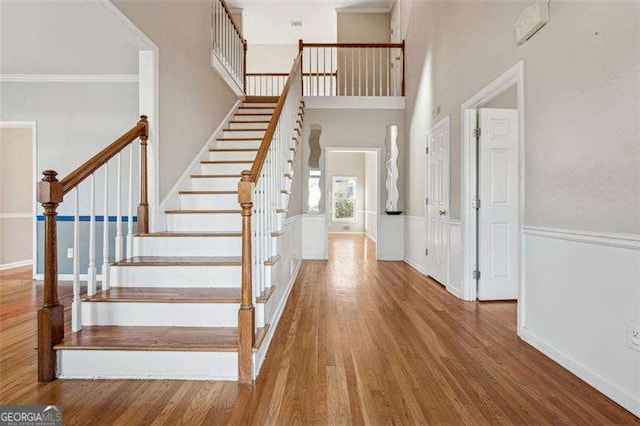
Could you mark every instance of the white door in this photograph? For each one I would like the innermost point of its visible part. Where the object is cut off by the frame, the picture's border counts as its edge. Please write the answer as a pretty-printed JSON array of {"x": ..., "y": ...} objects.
[
  {"x": 498, "y": 212},
  {"x": 396, "y": 54},
  {"x": 438, "y": 200}
]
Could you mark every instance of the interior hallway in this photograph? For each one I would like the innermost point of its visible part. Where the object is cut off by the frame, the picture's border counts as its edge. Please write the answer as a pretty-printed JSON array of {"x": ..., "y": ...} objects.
[{"x": 360, "y": 341}]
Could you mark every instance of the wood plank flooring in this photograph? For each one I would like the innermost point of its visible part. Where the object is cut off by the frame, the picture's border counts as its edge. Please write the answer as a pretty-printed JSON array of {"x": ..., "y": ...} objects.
[{"x": 360, "y": 342}]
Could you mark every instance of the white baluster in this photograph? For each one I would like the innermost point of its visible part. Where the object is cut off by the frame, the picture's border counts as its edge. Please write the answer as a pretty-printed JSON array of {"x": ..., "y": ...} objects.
[
  {"x": 105, "y": 232},
  {"x": 366, "y": 71},
  {"x": 388, "y": 72},
  {"x": 130, "y": 206},
  {"x": 91, "y": 272},
  {"x": 76, "y": 318},
  {"x": 119, "y": 239}
]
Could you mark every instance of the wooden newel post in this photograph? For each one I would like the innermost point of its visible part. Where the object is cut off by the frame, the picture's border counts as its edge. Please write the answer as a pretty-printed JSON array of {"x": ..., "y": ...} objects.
[
  {"x": 300, "y": 50},
  {"x": 246, "y": 315},
  {"x": 143, "y": 208},
  {"x": 51, "y": 315}
]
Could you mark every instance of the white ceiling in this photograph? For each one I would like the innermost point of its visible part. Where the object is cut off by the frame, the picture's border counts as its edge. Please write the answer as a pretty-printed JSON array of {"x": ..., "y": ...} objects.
[
  {"x": 64, "y": 37},
  {"x": 269, "y": 22}
]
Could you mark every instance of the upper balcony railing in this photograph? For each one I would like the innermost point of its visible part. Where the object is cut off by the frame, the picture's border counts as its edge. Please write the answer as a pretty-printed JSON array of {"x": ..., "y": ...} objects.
[
  {"x": 341, "y": 69},
  {"x": 227, "y": 42}
]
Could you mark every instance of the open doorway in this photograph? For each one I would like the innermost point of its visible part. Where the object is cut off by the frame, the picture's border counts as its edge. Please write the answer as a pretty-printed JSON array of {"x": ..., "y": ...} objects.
[
  {"x": 493, "y": 190},
  {"x": 17, "y": 193},
  {"x": 352, "y": 202}
]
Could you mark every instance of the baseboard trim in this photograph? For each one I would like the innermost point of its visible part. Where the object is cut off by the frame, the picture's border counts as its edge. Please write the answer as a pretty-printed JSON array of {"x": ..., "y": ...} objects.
[
  {"x": 371, "y": 237},
  {"x": 18, "y": 264},
  {"x": 415, "y": 266},
  {"x": 613, "y": 392}
]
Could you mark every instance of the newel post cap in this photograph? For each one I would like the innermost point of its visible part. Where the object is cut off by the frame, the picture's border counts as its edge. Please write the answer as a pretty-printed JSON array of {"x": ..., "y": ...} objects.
[{"x": 50, "y": 190}]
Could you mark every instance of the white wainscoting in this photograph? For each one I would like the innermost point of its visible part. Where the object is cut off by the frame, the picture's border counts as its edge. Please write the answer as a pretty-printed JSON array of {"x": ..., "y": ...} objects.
[
  {"x": 454, "y": 282},
  {"x": 287, "y": 269},
  {"x": 314, "y": 237},
  {"x": 579, "y": 292},
  {"x": 371, "y": 224},
  {"x": 390, "y": 243},
  {"x": 415, "y": 230}
]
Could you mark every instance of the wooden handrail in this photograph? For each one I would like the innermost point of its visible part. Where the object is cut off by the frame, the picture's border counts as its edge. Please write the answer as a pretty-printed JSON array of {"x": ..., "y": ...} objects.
[
  {"x": 76, "y": 177},
  {"x": 233, "y": 21},
  {"x": 283, "y": 74},
  {"x": 356, "y": 45},
  {"x": 273, "y": 123},
  {"x": 50, "y": 194}
]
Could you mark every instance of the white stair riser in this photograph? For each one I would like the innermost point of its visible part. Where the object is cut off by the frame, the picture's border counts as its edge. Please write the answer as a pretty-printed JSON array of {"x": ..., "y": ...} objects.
[
  {"x": 253, "y": 117},
  {"x": 205, "y": 222},
  {"x": 181, "y": 365},
  {"x": 286, "y": 183},
  {"x": 258, "y": 134},
  {"x": 137, "y": 314},
  {"x": 284, "y": 201},
  {"x": 160, "y": 314},
  {"x": 259, "y": 104},
  {"x": 209, "y": 202},
  {"x": 249, "y": 110},
  {"x": 245, "y": 125},
  {"x": 232, "y": 155},
  {"x": 215, "y": 184},
  {"x": 253, "y": 144},
  {"x": 187, "y": 246},
  {"x": 223, "y": 168},
  {"x": 175, "y": 276}
]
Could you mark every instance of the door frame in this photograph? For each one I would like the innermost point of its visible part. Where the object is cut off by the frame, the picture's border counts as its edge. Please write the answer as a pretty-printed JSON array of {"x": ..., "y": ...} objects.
[
  {"x": 327, "y": 184},
  {"x": 33, "y": 125},
  {"x": 446, "y": 121},
  {"x": 468, "y": 181}
]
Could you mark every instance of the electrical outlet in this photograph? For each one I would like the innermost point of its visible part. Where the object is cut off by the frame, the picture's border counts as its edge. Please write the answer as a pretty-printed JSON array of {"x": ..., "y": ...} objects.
[
  {"x": 346, "y": 227},
  {"x": 70, "y": 253},
  {"x": 633, "y": 337}
]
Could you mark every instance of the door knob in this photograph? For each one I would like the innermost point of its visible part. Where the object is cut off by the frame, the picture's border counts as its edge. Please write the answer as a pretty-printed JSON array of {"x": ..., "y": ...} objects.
[{"x": 442, "y": 212}]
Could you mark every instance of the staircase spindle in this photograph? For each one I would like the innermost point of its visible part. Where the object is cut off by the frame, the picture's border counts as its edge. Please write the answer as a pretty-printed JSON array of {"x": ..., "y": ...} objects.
[
  {"x": 76, "y": 318},
  {"x": 143, "y": 208},
  {"x": 130, "y": 205},
  {"x": 92, "y": 272},
  {"x": 119, "y": 248},
  {"x": 105, "y": 232}
]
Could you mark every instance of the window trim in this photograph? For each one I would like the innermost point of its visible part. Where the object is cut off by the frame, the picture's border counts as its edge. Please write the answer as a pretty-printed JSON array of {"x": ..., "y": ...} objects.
[{"x": 333, "y": 201}]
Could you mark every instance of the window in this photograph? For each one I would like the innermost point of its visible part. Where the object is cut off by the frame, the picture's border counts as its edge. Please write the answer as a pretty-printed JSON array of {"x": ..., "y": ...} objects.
[
  {"x": 343, "y": 192},
  {"x": 314, "y": 191}
]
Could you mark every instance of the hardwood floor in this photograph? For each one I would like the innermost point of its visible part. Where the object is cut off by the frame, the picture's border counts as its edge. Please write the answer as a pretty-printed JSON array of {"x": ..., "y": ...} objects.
[{"x": 359, "y": 342}]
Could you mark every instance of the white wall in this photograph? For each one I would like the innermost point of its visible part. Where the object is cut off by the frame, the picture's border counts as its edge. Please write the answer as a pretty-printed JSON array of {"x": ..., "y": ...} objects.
[
  {"x": 582, "y": 163},
  {"x": 271, "y": 58},
  {"x": 193, "y": 98},
  {"x": 371, "y": 195},
  {"x": 347, "y": 164},
  {"x": 65, "y": 37}
]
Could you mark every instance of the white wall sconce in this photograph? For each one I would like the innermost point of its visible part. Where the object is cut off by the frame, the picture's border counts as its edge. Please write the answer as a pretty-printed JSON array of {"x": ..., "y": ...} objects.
[{"x": 531, "y": 20}]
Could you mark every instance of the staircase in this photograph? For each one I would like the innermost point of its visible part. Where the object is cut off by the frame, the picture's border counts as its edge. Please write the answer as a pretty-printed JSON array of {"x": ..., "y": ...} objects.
[{"x": 170, "y": 310}]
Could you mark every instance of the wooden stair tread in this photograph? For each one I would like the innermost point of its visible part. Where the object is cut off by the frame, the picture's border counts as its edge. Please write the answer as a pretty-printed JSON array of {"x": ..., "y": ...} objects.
[
  {"x": 249, "y": 122},
  {"x": 266, "y": 294},
  {"x": 254, "y": 114},
  {"x": 272, "y": 260},
  {"x": 256, "y": 107},
  {"x": 216, "y": 176},
  {"x": 167, "y": 295},
  {"x": 238, "y": 139},
  {"x": 180, "y": 261},
  {"x": 261, "y": 99},
  {"x": 196, "y": 339},
  {"x": 191, "y": 234},
  {"x": 245, "y": 130},
  {"x": 202, "y": 211}
]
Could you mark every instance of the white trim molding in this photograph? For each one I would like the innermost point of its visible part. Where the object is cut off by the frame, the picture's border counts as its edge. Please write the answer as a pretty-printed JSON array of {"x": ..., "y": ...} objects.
[
  {"x": 354, "y": 102},
  {"x": 16, "y": 215},
  {"x": 68, "y": 78},
  {"x": 18, "y": 264},
  {"x": 629, "y": 241}
]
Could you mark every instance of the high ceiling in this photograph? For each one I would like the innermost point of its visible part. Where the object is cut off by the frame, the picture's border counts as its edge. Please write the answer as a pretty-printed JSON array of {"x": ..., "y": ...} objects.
[
  {"x": 269, "y": 22},
  {"x": 64, "y": 37}
]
